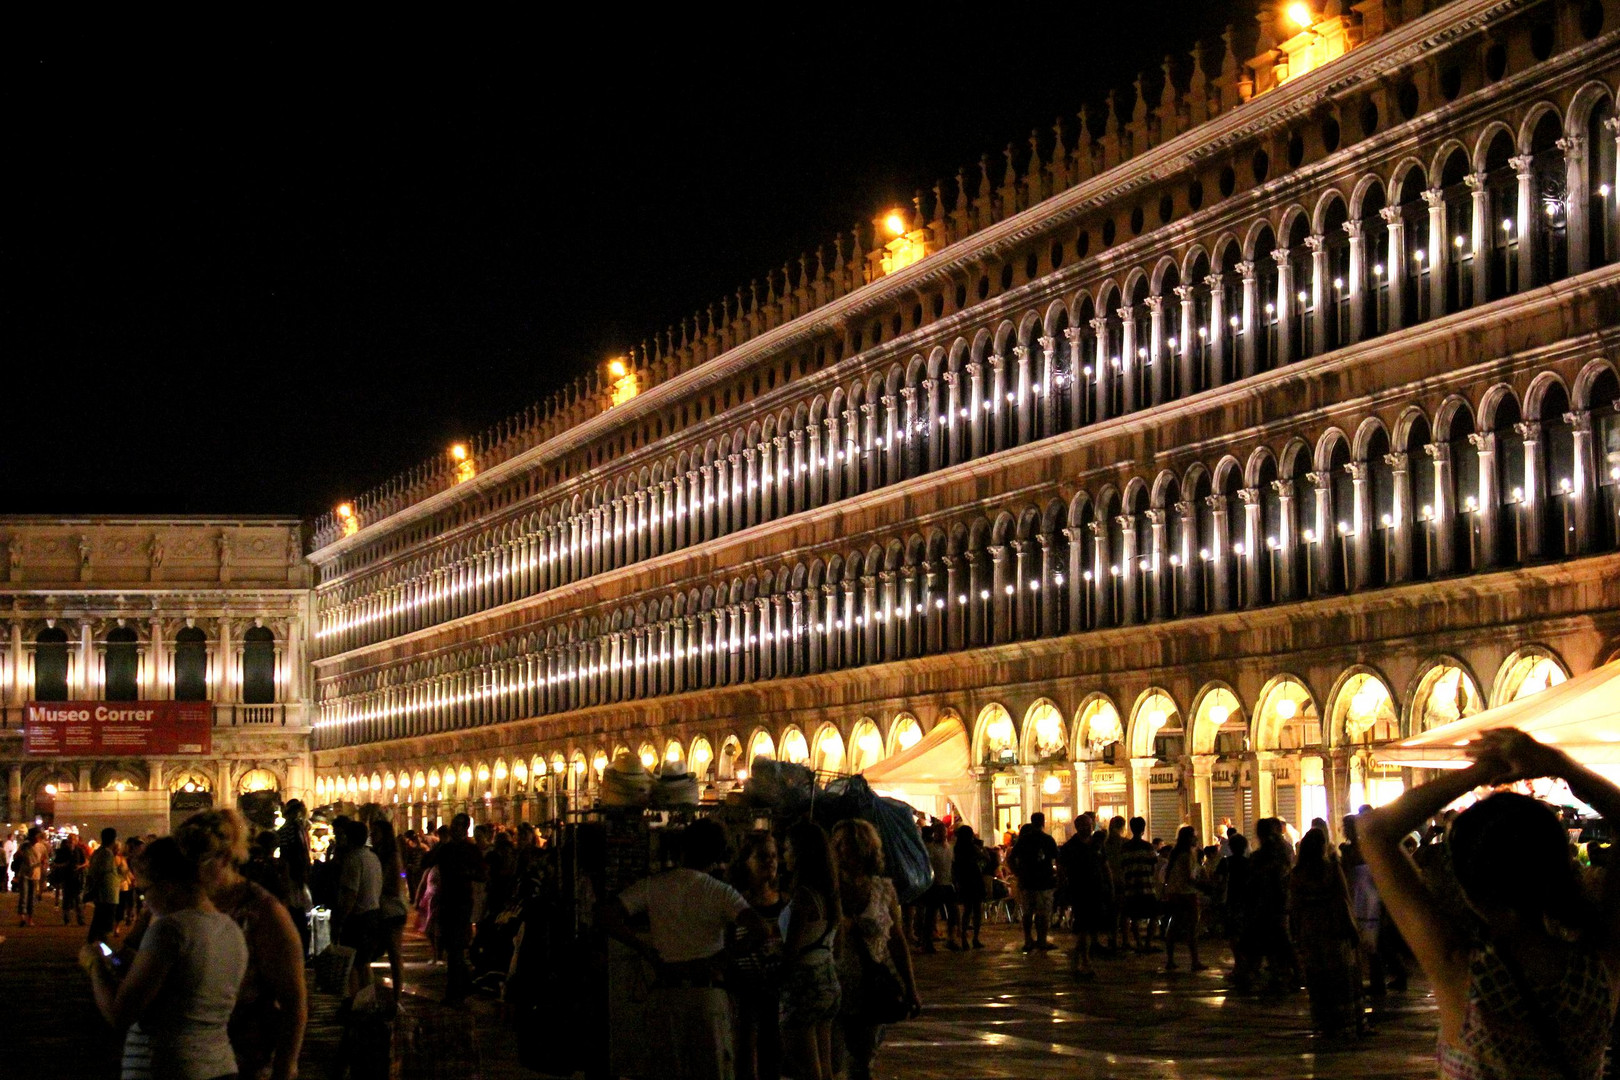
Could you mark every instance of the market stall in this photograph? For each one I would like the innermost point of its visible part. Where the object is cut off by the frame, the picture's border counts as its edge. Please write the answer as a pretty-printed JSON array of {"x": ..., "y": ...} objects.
[
  {"x": 1580, "y": 716},
  {"x": 931, "y": 775}
]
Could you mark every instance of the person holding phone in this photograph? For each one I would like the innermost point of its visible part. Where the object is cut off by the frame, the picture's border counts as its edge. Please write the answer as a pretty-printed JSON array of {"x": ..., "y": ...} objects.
[{"x": 177, "y": 995}]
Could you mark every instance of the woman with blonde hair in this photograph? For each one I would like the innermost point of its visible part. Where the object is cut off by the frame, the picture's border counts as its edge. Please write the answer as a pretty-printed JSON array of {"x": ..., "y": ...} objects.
[
  {"x": 872, "y": 937},
  {"x": 267, "y": 1025}
]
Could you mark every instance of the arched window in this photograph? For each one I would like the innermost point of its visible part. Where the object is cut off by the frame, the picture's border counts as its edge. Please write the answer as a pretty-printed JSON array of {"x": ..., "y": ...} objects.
[
  {"x": 1549, "y": 201},
  {"x": 1502, "y": 197},
  {"x": 1268, "y": 545},
  {"x": 122, "y": 665},
  {"x": 1375, "y": 247},
  {"x": 1420, "y": 513},
  {"x": 1600, "y": 186},
  {"x": 1510, "y": 524},
  {"x": 1336, "y": 289},
  {"x": 1458, "y": 243},
  {"x": 258, "y": 666},
  {"x": 1555, "y": 484},
  {"x": 1233, "y": 332},
  {"x": 1380, "y": 495},
  {"x": 1265, "y": 273},
  {"x": 1300, "y": 304},
  {"x": 1415, "y": 267},
  {"x": 51, "y": 665},
  {"x": 1463, "y": 498},
  {"x": 1340, "y": 526},
  {"x": 1604, "y": 401}
]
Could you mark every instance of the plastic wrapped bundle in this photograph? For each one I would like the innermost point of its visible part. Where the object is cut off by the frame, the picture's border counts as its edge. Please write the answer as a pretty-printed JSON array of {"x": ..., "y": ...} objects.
[{"x": 781, "y": 785}]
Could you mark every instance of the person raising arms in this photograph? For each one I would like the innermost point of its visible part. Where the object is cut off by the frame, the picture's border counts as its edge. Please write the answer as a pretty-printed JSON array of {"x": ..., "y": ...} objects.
[{"x": 1534, "y": 996}]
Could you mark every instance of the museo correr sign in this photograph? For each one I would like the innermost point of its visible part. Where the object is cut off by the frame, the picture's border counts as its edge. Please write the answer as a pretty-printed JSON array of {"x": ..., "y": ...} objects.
[{"x": 117, "y": 728}]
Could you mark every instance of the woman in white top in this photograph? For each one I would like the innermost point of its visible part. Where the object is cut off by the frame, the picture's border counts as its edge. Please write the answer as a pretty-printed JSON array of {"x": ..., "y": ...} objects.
[{"x": 177, "y": 998}]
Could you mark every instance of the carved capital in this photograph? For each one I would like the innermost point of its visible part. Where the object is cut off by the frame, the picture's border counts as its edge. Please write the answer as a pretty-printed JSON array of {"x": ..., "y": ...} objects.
[
  {"x": 1438, "y": 451},
  {"x": 1280, "y": 256},
  {"x": 1521, "y": 165},
  {"x": 1249, "y": 496},
  {"x": 1397, "y": 461},
  {"x": 1099, "y": 324},
  {"x": 1245, "y": 270},
  {"x": 1322, "y": 481},
  {"x": 1155, "y": 516},
  {"x": 1047, "y": 343},
  {"x": 1214, "y": 281},
  {"x": 1155, "y": 305},
  {"x": 1357, "y": 470},
  {"x": 1021, "y": 354},
  {"x": 1185, "y": 509},
  {"x": 1314, "y": 243},
  {"x": 1184, "y": 293},
  {"x": 1579, "y": 421},
  {"x": 1127, "y": 313},
  {"x": 1391, "y": 215},
  {"x": 1071, "y": 334},
  {"x": 997, "y": 361},
  {"x": 1435, "y": 198},
  {"x": 1484, "y": 442},
  {"x": 1529, "y": 430},
  {"x": 1216, "y": 502},
  {"x": 1352, "y": 229},
  {"x": 1283, "y": 488}
]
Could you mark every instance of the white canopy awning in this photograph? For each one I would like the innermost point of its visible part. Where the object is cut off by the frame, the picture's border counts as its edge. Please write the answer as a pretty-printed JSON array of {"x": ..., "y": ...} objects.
[
  {"x": 1580, "y": 716},
  {"x": 937, "y": 764}
]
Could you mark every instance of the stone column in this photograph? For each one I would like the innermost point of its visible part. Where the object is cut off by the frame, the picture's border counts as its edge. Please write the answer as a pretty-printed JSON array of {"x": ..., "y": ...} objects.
[
  {"x": 1084, "y": 797},
  {"x": 14, "y": 807},
  {"x": 815, "y": 467},
  {"x": 1398, "y": 537},
  {"x": 224, "y": 691},
  {"x": 1001, "y": 625},
  {"x": 1445, "y": 557},
  {"x": 1102, "y": 611},
  {"x": 1249, "y": 562},
  {"x": 888, "y": 449},
  {"x": 1317, "y": 343},
  {"x": 1077, "y": 378},
  {"x": 1024, "y": 408},
  {"x": 1359, "y": 575},
  {"x": 1395, "y": 268},
  {"x": 935, "y": 430},
  {"x": 977, "y": 419},
  {"x": 19, "y": 673},
  {"x": 951, "y": 433},
  {"x": 1141, "y": 783},
  {"x": 1203, "y": 777},
  {"x": 907, "y": 452},
  {"x": 1219, "y": 331},
  {"x": 1159, "y": 568},
  {"x": 1285, "y": 308},
  {"x": 1585, "y": 483},
  {"x": 1129, "y": 572},
  {"x": 1248, "y": 358},
  {"x": 1531, "y": 501},
  {"x": 955, "y": 622},
  {"x": 1326, "y": 534},
  {"x": 833, "y": 488},
  {"x": 1336, "y": 778},
  {"x": 996, "y": 417},
  {"x": 1077, "y": 576},
  {"x": 1439, "y": 252},
  {"x": 1158, "y": 364},
  {"x": 1265, "y": 781},
  {"x": 1049, "y": 390},
  {"x": 1184, "y": 356},
  {"x": 1022, "y": 608},
  {"x": 1490, "y": 510},
  {"x": 157, "y": 688},
  {"x": 1220, "y": 545},
  {"x": 1288, "y": 541},
  {"x": 1358, "y": 278},
  {"x": 1129, "y": 362},
  {"x": 1479, "y": 235},
  {"x": 1526, "y": 222},
  {"x": 1185, "y": 566},
  {"x": 1104, "y": 376}
]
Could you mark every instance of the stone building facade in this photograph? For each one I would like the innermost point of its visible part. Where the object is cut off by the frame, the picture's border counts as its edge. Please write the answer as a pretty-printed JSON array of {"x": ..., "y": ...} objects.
[
  {"x": 117, "y": 610},
  {"x": 1183, "y": 466}
]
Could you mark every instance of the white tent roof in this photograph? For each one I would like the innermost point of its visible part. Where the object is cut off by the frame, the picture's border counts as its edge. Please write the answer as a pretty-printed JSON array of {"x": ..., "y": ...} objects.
[
  {"x": 1580, "y": 716},
  {"x": 937, "y": 763}
]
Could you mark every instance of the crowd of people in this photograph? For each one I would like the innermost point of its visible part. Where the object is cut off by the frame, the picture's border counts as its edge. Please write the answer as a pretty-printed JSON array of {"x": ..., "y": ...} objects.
[{"x": 789, "y": 952}]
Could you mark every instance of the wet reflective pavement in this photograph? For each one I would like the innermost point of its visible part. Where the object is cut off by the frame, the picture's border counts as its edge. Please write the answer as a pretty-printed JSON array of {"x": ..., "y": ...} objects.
[
  {"x": 993, "y": 1013},
  {"x": 1000, "y": 1013}
]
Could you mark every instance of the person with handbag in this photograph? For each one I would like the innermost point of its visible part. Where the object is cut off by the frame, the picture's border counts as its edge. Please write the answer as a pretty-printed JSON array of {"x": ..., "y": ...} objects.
[
  {"x": 1533, "y": 996},
  {"x": 878, "y": 986}
]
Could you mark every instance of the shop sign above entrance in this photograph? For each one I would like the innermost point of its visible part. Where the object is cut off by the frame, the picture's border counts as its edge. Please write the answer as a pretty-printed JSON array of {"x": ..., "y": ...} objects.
[{"x": 117, "y": 728}]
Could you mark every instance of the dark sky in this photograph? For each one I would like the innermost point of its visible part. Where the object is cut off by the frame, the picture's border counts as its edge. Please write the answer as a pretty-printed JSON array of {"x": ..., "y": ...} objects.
[{"x": 257, "y": 269}]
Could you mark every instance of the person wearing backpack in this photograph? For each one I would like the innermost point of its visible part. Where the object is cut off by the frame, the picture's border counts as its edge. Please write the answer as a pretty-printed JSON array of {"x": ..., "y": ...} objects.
[{"x": 1034, "y": 863}]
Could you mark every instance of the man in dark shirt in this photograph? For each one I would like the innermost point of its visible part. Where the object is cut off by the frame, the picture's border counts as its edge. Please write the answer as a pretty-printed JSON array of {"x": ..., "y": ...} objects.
[
  {"x": 1033, "y": 857},
  {"x": 1085, "y": 875},
  {"x": 460, "y": 866}
]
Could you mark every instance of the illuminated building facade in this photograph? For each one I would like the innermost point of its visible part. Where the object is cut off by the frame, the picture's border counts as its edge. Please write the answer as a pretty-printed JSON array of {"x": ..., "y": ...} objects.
[
  {"x": 139, "y": 614},
  {"x": 1182, "y": 467}
]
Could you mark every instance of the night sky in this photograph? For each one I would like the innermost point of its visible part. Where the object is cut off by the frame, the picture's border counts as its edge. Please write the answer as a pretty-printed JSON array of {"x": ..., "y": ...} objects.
[{"x": 258, "y": 269}]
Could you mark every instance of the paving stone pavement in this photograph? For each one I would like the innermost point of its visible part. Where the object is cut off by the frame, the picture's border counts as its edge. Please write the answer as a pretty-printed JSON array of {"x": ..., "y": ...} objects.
[{"x": 988, "y": 1015}]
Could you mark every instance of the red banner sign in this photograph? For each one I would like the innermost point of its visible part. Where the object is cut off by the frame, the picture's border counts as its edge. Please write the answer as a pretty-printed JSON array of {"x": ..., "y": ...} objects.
[{"x": 117, "y": 728}]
